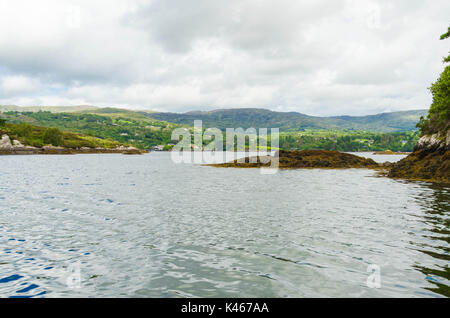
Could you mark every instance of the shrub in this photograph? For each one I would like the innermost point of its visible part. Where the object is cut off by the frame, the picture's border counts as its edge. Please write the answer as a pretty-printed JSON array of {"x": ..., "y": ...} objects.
[{"x": 53, "y": 136}]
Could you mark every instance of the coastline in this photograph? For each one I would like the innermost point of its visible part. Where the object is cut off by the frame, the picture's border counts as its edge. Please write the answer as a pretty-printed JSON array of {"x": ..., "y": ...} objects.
[
  {"x": 50, "y": 150},
  {"x": 15, "y": 147}
]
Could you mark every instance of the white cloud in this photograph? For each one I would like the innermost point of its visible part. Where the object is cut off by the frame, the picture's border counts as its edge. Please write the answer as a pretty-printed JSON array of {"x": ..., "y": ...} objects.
[
  {"x": 18, "y": 84},
  {"x": 325, "y": 57}
]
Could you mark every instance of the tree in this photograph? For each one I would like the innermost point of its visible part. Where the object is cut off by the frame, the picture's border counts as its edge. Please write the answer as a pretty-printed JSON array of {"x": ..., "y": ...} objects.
[
  {"x": 24, "y": 130},
  {"x": 2, "y": 122},
  {"x": 441, "y": 96},
  {"x": 53, "y": 136},
  {"x": 443, "y": 37},
  {"x": 439, "y": 114}
]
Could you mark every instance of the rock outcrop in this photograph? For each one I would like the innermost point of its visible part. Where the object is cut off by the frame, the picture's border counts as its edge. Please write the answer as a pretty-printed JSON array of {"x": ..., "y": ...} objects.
[
  {"x": 430, "y": 160},
  {"x": 307, "y": 159},
  {"x": 436, "y": 142}
]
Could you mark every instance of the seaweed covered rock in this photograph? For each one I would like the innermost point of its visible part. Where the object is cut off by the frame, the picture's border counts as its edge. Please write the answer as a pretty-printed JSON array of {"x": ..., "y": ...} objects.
[
  {"x": 424, "y": 165},
  {"x": 306, "y": 159},
  {"x": 429, "y": 162}
]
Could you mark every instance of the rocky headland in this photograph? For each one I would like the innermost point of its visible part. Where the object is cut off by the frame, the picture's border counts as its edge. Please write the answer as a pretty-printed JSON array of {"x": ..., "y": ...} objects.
[
  {"x": 430, "y": 160},
  {"x": 15, "y": 147}
]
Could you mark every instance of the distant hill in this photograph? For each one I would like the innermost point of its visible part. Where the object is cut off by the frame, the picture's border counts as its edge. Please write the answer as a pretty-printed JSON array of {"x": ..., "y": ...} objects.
[
  {"x": 53, "y": 109},
  {"x": 293, "y": 121},
  {"x": 393, "y": 131},
  {"x": 251, "y": 117}
]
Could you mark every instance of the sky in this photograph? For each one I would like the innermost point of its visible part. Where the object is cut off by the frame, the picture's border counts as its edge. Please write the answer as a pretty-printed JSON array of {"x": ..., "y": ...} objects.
[{"x": 318, "y": 57}]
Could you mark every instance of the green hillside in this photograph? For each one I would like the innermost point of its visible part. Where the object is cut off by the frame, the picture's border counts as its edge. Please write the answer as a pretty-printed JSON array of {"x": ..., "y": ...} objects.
[
  {"x": 292, "y": 121},
  {"x": 394, "y": 131},
  {"x": 37, "y": 136},
  {"x": 116, "y": 124}
]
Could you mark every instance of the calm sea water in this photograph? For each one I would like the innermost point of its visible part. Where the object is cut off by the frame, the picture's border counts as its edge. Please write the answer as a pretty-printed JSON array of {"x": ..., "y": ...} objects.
[{"x": 141, "y": 226}]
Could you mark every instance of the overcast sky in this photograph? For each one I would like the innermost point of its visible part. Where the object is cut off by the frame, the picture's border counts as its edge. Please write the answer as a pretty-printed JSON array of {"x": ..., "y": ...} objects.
[{"x": 319, "y": 57}]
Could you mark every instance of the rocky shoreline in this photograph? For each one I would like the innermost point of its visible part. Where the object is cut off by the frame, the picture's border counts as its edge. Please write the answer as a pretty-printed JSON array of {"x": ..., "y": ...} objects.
[
  {"x": 430, "y": 160},
  {"x": 15, "y": 147}
]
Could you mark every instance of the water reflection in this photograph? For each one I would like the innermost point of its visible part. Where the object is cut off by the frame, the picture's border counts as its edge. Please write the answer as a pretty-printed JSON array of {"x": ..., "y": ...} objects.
[
  {"x": 435, "y": 200},
  {"x": 145, "y": 227}
]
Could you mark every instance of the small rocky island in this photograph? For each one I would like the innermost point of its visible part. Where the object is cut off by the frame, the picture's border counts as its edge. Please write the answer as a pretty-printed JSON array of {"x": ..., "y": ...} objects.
[
  {"x": 429, "y": 162},
  {"x": 307, "y": 159},
  {"x": 390, "y": 152}
]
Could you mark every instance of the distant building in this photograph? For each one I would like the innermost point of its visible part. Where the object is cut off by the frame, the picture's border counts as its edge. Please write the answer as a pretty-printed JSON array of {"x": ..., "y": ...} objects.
[{"x": 158, "y": 148}]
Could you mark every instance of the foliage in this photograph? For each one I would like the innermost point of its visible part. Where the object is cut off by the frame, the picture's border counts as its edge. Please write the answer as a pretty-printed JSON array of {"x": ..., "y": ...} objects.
[
  {"x": 349, "y": 141},
  {"x": 38, "y": 136},
  {"x": 53, "y": 136},
  {"x": 445, "y": 36},
  {"x": 144, "y": 132},
  {"x": 438, "y": 118},
  {"x": 124, "y": 126}
]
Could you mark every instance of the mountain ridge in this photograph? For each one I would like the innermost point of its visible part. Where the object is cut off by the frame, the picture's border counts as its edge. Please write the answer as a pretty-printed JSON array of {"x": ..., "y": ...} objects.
[
  {"x": 295, "y": 121},
  {"x": 257, "y": 118}
]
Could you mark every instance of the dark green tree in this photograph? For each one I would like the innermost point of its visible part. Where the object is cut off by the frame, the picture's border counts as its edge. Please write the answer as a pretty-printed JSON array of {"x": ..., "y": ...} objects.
[
  {"x": 445, "y": 36},
  {"x": 53, "y": 136},
  {"x": 439, "y": 114}
]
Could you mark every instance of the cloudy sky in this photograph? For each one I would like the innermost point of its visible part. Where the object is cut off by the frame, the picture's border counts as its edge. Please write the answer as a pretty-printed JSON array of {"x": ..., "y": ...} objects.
[{"x": 319, "y": 57}]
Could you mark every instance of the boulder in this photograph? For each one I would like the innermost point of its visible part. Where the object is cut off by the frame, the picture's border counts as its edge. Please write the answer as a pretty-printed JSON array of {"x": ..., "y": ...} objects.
[
  {"x": 17, "y": 144},
  {"x": 5, "y": 143},
  {"x": 50, "y": 147}
]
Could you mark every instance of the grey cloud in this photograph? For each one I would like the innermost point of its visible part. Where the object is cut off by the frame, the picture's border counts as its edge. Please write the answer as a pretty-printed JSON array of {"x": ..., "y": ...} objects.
[{"x": 317, "y": 57}]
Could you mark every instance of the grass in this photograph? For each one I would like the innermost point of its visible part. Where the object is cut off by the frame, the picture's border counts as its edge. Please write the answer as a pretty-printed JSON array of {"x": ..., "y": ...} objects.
[{"x": 37, "y": 136}]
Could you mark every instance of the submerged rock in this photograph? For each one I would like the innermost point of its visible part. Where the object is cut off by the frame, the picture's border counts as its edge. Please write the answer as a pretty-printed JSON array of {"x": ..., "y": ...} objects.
[{"x": 306, "y": 159}]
